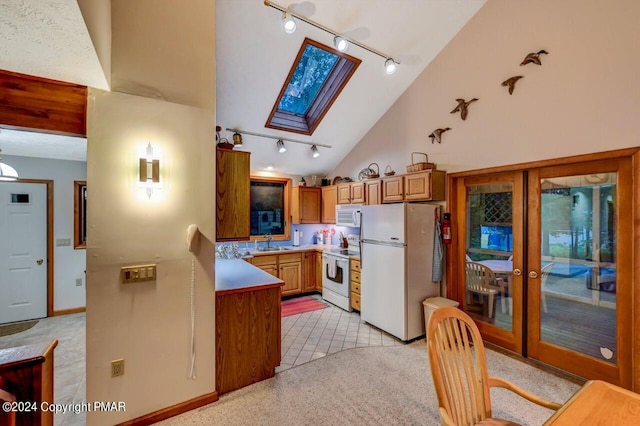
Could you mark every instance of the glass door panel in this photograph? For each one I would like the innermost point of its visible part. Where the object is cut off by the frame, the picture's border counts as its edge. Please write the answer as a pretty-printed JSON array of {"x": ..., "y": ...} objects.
[
  {"x": 493, "y": 225},
  {"x": 574, "y": 278}
]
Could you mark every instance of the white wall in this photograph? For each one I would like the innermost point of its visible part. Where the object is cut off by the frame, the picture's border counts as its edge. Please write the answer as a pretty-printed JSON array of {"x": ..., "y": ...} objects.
[
  {"x": 584, "y": 98},
  {"x": 69, "y": 263}
]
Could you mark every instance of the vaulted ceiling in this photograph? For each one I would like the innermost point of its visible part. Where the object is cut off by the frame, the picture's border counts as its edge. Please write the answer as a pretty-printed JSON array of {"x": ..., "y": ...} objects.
[{"x": 49, "y": 38}]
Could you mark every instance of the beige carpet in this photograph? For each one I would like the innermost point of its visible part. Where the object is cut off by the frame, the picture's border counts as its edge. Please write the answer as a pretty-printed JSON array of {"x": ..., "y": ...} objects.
[
  {"x": 16, "y": 327},
  {"x": 369, "y": 386}
]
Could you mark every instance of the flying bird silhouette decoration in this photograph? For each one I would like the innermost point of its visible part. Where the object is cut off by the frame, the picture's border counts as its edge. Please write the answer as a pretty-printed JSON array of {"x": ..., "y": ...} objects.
[
  {"x": 511, "y": 82},
  {"x": 436, "y": 135},
  {"x": 463, "y": 107},
  {"x": 533, "y": 58}
]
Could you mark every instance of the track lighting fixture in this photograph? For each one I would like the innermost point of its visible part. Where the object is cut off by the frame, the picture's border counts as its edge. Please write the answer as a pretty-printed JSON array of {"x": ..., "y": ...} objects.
[
  {"x": 281, "y": 148},
  {"x": 288, "y": 23},
  {"x": 341, "y": 43},
  {"x": 280, "y": 140},
  {"x": 237, "y": 140},
  {"x": 390, "y": 66},
  {"x": 314, "y": 149}
]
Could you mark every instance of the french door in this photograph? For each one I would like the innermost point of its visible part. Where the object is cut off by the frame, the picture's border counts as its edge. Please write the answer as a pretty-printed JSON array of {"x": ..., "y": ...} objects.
[{"x": 544, "y": 263}]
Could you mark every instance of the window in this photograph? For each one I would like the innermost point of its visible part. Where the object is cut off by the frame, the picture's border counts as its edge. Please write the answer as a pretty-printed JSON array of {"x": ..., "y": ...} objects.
[
  {"x": 79, "y": 214},
  {"x": 315, "y": 80},
  {"x": 270, "y": 207}
]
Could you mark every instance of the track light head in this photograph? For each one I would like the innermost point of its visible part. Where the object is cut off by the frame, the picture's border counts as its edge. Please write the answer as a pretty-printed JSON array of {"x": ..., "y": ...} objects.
[
  {"x": 315, "y": 151},
  {"x": 281, "y": 148},
  {"x": 341, "y": 43},
  {"x": 390, "y": 66},
  {"x": 237, "y": 140},
  {"x": 288, "y": 23}
]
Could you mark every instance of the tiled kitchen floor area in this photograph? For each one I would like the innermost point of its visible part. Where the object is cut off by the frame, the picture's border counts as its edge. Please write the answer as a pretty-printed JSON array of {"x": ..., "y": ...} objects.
[{"x": 305, "y": 337}]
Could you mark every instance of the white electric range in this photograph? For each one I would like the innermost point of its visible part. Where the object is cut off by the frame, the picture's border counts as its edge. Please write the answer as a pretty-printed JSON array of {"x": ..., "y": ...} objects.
[{"x": 335, "y": 273}]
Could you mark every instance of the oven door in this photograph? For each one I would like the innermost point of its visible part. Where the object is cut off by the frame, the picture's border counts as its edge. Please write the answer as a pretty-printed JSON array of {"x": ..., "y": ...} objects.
[{"x": 335, "y": 274}]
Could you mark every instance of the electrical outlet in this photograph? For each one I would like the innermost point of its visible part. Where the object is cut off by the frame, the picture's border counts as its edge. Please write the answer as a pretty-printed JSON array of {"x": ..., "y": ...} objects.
[
  {"x": 117, "y": 367},
  {"x": 78, "y": 282}
]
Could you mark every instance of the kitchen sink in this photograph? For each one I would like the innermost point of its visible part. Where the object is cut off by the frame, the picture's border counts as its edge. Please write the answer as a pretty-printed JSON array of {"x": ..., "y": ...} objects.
[{"x": 277, "y": 248}]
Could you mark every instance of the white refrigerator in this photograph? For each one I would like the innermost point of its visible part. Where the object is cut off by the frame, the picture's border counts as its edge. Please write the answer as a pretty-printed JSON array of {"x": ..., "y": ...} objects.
[{"x": 396, "y": 266}]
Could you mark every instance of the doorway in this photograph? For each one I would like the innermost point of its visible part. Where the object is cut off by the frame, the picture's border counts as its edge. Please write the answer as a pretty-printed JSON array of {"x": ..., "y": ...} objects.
[
  {"x": 23, "y": 255},
  {"x": 543, "y": 262}
]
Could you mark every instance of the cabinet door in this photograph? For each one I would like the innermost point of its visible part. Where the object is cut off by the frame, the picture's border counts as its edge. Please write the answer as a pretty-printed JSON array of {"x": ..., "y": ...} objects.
[
  {"x": 417, "y": 186},
  {"x": 373, "y": 191},
  {"x": 309, "y": 271},
  {"x": 319, "y": 272},
  {"x": 357, "y": 193},
  {"x": 291, "y": 274},
  {"x": 232, "y": 195},
  {"x": 271, "y": 269},
  {"x": 392, "y": 189},
  {"x": 344, "y": 193},
  {"x": 329, "y": 199},
  {"x": 306, "y": 205}
]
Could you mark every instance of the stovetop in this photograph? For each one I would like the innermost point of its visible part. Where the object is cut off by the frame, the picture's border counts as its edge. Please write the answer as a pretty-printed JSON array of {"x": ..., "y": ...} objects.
[{"x": 342, "y": 252}]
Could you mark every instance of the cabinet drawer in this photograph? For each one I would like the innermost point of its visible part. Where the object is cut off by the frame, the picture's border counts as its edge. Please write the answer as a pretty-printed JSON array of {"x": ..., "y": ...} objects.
[
  {"x": 264, "y": 260},
  {"x": 355, "y": 287},
  {"x": 355, "y": 301},
  {"x": 355, "y": 265},
  {"x": 291, "y": 257},
  {"x": 355, "y": 276}
]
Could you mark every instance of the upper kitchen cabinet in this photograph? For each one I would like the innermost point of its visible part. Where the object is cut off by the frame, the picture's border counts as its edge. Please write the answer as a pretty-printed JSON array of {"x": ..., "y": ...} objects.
[
  {"x": 306, "y": 204},
  {"x": 232, "y": 195},
  {"x": 351, "y": 193},
  {"x": 427, "y": 185},
  {"x": 373, "y": 191},
  {"x": 329, "y": 200}
]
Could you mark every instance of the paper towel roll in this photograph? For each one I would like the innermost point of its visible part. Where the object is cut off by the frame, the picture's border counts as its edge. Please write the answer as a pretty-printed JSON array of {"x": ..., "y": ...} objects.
[{"x": 296, "y": 238}]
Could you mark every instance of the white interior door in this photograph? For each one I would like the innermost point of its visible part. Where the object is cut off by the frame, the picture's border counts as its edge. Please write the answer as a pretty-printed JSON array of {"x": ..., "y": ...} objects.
[{"x": 23, "y": 251}]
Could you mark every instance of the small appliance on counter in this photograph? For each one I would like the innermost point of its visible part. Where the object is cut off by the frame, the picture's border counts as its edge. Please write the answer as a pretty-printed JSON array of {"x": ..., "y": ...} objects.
[{"x": 335, "y": 273}]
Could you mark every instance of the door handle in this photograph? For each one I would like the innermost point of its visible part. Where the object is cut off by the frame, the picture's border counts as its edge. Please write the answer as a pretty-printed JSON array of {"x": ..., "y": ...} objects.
[
  {"x": 39, "y": 261},
  {"x": 517, "y": 272},
  {"x": 533, "y": 274}
]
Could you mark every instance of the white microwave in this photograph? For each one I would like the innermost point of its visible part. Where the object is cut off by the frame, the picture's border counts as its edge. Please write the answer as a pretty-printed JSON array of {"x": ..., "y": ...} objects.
[{"x": 348, "y": 215}]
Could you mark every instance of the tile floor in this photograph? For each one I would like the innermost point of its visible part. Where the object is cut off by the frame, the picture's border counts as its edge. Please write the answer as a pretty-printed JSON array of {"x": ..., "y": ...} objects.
[{"x": 305, "y": 337}]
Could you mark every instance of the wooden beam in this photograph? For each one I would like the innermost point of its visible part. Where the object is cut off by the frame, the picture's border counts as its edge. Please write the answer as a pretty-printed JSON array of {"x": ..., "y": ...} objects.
[{"x": 38, "y": 104}]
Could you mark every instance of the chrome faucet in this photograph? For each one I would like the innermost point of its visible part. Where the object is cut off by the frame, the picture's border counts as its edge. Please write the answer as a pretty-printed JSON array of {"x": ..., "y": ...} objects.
[{"x": 268, "y": 237}]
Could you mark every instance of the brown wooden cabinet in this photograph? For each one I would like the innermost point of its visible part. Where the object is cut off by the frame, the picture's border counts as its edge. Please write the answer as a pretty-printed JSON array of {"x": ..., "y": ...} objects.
[
  {"x": 319, "y": 272},
  {"x": 268, "y": 263},
  {"x": 351, "y": 193},
  {"x": 329, "y": 201},
  {"x": 306, "y": 204},
  {"x": 232, "y": 195},
  {"x": 248, "y": 333},
  {"x": 355, "y": 283},
  {"x": 426, "y": 185},
  {"x": 290, "y": 271},
  {"x": 373, "y": 191},
  {"x": 309, "y": 271}
]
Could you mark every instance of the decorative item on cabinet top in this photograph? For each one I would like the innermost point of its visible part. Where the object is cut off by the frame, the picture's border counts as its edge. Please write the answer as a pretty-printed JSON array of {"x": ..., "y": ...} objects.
[
  {"x": 369, "y": 173},
  {"x": 388, "y": 171},
  {"x": 419, "y": 166}
]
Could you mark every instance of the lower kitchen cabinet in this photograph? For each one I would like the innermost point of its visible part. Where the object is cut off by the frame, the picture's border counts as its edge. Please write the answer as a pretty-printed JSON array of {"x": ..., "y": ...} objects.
[
  {"x": 309, "y": 271},
  {"x": 267, "y": 263},
  {"x": 290, "y": 271},
  {"x": 319, "y": 273},
  {"x": 248, "y": 333},
  {"x": 355, "y": 283}
]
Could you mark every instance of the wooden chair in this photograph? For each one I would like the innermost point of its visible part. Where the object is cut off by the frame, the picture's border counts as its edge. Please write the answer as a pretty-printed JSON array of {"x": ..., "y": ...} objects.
[
  {"x": 482, "y": 280},
  {"x": 544, "y": 274},
  {"x": 459, "y": 370},
  {"x": 6, "y": 418}
]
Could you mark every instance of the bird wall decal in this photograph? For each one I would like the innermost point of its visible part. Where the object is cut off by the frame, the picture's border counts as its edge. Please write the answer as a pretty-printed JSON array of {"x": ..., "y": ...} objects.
[
  {"x": 436, "y": 135},
  {"x": 534, "y": 58},
  {"x": 511, "y": 82},
  {"x": 463, "y": 107}
]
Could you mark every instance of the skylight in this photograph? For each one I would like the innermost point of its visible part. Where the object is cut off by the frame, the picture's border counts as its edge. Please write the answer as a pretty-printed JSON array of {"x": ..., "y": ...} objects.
[{"x": 315, "y": 80}]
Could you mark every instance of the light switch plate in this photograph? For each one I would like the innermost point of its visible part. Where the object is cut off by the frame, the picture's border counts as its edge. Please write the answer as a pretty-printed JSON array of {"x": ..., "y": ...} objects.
[{"x": 139, "y": 273}]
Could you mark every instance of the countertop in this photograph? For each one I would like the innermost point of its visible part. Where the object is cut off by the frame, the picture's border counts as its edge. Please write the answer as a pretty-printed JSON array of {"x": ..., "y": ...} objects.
[{"x": 237, "y": 275}]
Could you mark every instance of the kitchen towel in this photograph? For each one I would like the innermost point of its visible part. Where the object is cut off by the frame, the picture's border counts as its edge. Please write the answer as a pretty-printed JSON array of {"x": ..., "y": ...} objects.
[{"x": 332, "y": 268}]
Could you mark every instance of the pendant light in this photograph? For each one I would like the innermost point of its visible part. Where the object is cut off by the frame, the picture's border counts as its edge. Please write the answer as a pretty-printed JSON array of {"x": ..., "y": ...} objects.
[{"x": 7, "y": 172}]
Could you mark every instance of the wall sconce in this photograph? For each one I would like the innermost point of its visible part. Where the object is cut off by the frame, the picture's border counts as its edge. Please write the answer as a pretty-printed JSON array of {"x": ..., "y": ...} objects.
[{"x": 149, "y": 171}]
